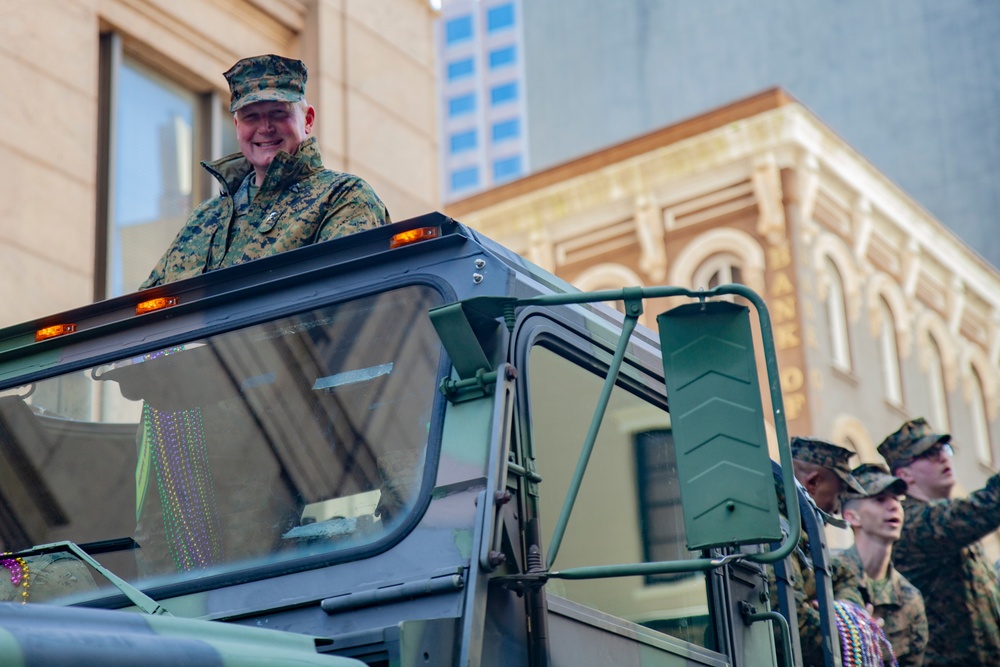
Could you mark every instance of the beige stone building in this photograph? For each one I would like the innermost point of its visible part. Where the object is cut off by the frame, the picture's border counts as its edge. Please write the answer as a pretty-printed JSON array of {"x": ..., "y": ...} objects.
[
  {"x": 110, "y": 105},
  {"x": 880, "y": 313}
]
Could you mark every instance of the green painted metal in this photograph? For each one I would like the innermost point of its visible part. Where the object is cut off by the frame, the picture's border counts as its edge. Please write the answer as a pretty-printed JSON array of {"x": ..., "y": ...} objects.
[
  {"x": 465, "y": 335},
  {"x": 633, "y": 306},
  {"x": 460, "y": 339},
  {"x": 478, "y": 386},
  {"x": 506, "y": 307},
  {"x": 717, "y": 419},
  {"x": 775, "y": 617},
  {"x": 643, "y": 569},
  {"x": 43, "y": 636}
]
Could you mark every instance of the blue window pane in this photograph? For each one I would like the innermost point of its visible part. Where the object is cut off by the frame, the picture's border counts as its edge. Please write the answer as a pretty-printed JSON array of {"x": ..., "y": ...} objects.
[
  {"x": 500, "y": 17},
  {"x": 502, "y": 57},
  {"x": 463, "y": 141},
  {"x": 507, "y": 168},
  {"x": 464, "y": 178},
  {"x": 504, "y": 93},
  {"x": 458, "y": 29},
  {"x": 155, "y": 127},
  {"x": 508, "y": 129},
  {"x": 462, "y": 104},
  {"x": 459, "y": 68}
]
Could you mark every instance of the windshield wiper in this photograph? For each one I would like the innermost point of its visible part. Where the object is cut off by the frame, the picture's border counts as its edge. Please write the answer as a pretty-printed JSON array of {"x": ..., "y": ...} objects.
[{"x": 137, "y": 597}]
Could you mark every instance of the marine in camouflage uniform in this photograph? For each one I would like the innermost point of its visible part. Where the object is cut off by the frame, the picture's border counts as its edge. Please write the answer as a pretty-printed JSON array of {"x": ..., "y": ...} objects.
[
  {"x": 801, "y": 574},
  {"x": 894, "y": 599},
  {"x": 938, "y": 550},
  {"x": 298, "y": 202}
]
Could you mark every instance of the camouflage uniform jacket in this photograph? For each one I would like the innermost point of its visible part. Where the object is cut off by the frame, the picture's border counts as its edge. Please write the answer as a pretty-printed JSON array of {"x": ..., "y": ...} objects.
[
  {"x": 939, "y": 554},
  {"x": 899, "y": 604},
  {"x": 299, "y": 203},
  {"x": 801, "y": 575}
]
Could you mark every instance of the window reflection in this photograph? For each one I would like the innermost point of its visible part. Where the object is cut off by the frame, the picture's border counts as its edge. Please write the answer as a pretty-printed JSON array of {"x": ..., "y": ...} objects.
[
  {"x": 302, "y": 435},
  {"x": 153, "y": 172},
  {"x": 836, "y": 318},
  {"x": 980, "y": 423},
  {"x": 936, "y": 386},
  {"x": 890, "y": 354},
  {"x": 623, "y": 514}
]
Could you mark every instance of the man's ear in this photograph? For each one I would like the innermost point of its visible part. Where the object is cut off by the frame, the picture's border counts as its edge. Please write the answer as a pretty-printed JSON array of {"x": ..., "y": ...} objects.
[
  {"x": 850, "y": 516},
  {"x": 904, "y": 474},
  {"x": 811, "y": 481},
  {"x": 310, "y": 118}
]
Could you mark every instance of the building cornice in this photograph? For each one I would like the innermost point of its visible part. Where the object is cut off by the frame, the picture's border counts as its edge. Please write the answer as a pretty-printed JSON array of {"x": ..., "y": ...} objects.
[
  {"x": 737, "y": 111},
  {"x": 724, "y": 145}
]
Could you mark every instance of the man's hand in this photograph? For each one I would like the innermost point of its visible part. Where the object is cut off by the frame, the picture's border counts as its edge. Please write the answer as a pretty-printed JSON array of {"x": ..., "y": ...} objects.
[{"x": 879, "y": 621}]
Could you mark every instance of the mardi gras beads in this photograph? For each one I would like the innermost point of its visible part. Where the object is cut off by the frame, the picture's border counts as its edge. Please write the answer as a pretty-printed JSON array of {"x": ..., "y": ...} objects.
[{"x": 19, "y": 573}]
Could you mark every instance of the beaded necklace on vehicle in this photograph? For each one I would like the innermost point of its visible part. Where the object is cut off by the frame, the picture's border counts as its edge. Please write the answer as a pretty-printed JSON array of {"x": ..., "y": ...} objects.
[
  {"x": 861, "y": 639},
  {"x": 184, "y": 480},
  {"x": 19, "y": 573}
]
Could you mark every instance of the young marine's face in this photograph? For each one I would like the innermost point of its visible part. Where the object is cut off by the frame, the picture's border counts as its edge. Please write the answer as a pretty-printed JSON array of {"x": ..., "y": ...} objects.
[
  {"x": 264, "y": 128},
  {"x": 877, "y": 516},
  {"x": 931, "y": 475}
]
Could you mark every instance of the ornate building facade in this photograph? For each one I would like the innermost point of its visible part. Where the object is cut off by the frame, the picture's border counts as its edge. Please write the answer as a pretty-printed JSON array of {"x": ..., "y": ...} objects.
[{"x": 880, "y": 313}]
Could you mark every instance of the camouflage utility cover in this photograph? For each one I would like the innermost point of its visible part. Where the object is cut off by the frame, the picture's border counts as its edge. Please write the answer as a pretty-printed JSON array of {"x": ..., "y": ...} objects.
[
  {"x": 299, "y": 203},
  {"x": 874, "y": 479},
  {"x": 911, "y": 440},
  {"x": 828, "y": 455},
  {"x": 939, "y": 554},
  {"x": 895, "y": 600},
  {"x": 267, "y": 78}
]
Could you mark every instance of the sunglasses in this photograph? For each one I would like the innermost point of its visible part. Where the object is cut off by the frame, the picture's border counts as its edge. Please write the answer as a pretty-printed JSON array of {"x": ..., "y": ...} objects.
[{"x": 936, "y": 451}]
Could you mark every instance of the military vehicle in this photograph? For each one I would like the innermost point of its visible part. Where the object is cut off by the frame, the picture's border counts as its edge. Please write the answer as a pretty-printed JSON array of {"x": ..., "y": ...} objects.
[{"x": 404, "y": 447}]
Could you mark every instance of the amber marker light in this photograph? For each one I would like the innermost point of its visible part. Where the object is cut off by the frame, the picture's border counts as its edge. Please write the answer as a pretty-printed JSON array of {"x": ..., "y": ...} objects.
[
  {"x": 414, "y": 236},
  {"x": 54, "y": 331},
  {"x": 155, "y": 304}
]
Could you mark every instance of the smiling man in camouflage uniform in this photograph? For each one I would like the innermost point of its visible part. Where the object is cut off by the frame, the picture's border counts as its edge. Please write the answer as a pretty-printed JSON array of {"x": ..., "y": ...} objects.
[
  {"x": 939, "y": 551},
  {"x": 876, "y": 518},
  {"x": 275, "y": 194}
]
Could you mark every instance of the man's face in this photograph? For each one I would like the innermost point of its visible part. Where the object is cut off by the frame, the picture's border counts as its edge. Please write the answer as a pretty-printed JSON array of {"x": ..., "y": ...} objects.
[
  {"x": 930, "y": 476},
  {"x": 825, "y": 490},
  {"x": 264, "y": 128},
  {"x": 877, "y": 516}
]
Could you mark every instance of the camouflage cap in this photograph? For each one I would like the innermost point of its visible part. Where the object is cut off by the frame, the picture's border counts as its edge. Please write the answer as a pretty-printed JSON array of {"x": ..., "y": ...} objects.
[
  {"x": 828, "y": 455},
  {"x": 911, "y": 440},
  {"x": 267, "y": 78},
  {"x": 874, "y": 478}
]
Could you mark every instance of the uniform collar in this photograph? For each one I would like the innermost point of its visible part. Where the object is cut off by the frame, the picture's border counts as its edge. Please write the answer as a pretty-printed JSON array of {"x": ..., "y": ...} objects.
[{"x": 231, "y": 170}]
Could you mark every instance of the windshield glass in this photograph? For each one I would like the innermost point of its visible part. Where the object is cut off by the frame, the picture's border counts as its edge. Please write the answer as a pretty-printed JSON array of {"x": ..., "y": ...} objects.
[{"x": 302, "y": 435}]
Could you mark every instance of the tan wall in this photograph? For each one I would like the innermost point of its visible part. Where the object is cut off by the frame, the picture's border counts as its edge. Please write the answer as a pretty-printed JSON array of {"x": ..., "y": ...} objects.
[{"x": 371, "y": 78}]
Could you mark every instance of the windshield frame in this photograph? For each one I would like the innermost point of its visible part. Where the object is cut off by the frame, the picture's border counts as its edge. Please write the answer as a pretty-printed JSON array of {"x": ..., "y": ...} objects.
[{"x": 247, "y": 309}]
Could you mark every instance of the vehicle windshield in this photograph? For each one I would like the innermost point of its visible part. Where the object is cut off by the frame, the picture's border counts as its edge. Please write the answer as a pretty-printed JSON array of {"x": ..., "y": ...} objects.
[{"x": 302, "y": 435}]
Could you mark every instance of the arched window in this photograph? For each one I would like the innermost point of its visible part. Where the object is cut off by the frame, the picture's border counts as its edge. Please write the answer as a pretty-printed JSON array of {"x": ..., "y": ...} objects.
[
  {"x": 836, "y": 315},
  {"x": 850, "y": 432},
  {"x": 890, "y": 355},
  {"x": 980, "y": 424},
  {"x": 722, "y": 255},
  {"x": 719, "y": 269},
  {"x": 936, "y": 387}
]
